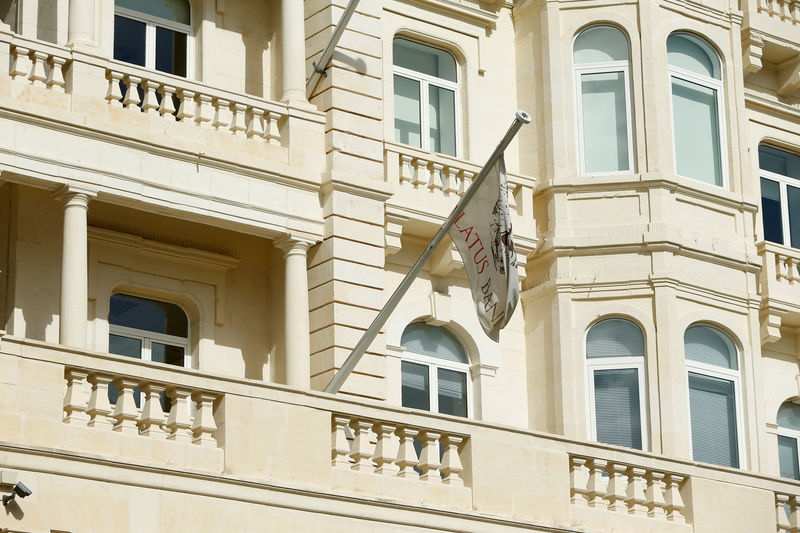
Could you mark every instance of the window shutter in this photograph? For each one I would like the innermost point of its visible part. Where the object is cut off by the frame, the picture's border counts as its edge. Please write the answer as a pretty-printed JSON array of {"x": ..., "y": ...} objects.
[
  {"x": 713, "y": 419},
  {"x": 617, "y": 409}
]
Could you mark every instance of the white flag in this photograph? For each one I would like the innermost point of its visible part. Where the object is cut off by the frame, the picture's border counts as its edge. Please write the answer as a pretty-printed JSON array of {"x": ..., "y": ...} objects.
[{"x": 482, "y": 235}]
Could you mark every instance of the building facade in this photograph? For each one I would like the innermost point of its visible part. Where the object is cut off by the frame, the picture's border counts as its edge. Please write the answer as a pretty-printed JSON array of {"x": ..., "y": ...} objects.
[{"x": 193, "y": 238}]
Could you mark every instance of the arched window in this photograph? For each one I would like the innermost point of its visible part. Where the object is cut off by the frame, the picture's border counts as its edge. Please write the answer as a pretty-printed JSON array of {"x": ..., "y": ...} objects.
[
  {"x": 713, "y": 375},
  {"x": 615, "y": 375},
  {"x": 602, "y": 70},
  {"x": 425, "y": 97},
  {"x": 696, "y": 82},
  {"x": 434, "y": 370},
  {"x": 154, "y": 34},
  {"x": 789, "y": 439},
  {"x": 780, "y": 195},
  {"x": 149, "y": 330}
]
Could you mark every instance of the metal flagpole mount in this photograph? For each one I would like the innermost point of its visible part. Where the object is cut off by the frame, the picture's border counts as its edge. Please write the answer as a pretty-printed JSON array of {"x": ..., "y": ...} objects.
[
  {"x": 320, "y": 66},
  {"x": 520, "y": 119}
]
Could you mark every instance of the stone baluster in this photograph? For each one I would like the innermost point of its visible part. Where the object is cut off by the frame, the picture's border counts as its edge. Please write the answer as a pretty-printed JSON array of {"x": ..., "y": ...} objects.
[
  {"x": 150, "y": 103},
  {"x": 466, "y": 180},
  {"x": 114, "y": 91},
  {"x": 386, "y": 447},
  {"x": 450, "y": 181},
  {"x": 579, "y": 481},
  {"x": 361, "y": 452},
  {"x": 785, "y": 10},
  {"x": 179, "y": 423},
  {"x": 420, "y": 173},
  {"x": 405, "y": 168},
  {"x": 222, "y": 114},
  {"x": 125, "y": 411},
  {"x": 205, "y": 111},
  {"x": 794, "y": 515},
  {"x": 21, "y": 68},
  {"x": 435, "y": 178},
  {"x": 203, "y": 425},
  {"x": 273, "y": 133},
  {"x": 255, "y": 126},
  {"x": 796, "y": 12},
  {"x": 99, "y": 406},
  {"x": 672, "y": 495},
  {"x": 76, "y": 398},
  {"x": 512, "y": 198},
  {"x": 790, "y": 266},
  {"x": 131, "y": 99},
  {"x": 635, "y": 497},
  {"x": 763, "y": 5},
  {"x": 167, "y": 101},
  {"x": 654, "y": 496},
  {"x": 238, "y": 120},
  {"x": 406, "y": 455},
  {"x": 188, "y": 107},
  {"x": 451, "y": 461},
  {"x": 151, "y": 421},
  {"x": 617, "y": 487},
  {"x": 597, "y": 485},
  {"x": 55, "y": 78},
  {"x": 781, "y": 517},
  {"x": 38, "y": 76},
  {"x": 429, "y": 457},
  {"x": 340, "y": 446}
]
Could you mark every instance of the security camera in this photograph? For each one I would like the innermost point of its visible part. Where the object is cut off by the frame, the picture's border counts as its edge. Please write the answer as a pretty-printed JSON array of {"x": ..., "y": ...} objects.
[{"x": 19, "y": 490}]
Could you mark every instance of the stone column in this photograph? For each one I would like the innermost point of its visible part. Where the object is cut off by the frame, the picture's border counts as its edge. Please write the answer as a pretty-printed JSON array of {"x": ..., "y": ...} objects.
[
  {"x": 296, "y": 320},
  {"x": 293, "y": 52},
  {"x": 74, "y": 266},
  {"x": 81, "y": 30}
]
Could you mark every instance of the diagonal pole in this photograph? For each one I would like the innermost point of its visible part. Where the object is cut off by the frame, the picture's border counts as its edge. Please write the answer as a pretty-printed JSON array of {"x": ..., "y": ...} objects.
[
  {"x": 520, "y": 118},
  {"x": 321, "y": 66}
]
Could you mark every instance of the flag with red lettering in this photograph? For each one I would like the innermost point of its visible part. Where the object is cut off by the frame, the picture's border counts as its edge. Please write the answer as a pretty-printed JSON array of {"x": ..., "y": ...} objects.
[{"x": 482, "y": 235}]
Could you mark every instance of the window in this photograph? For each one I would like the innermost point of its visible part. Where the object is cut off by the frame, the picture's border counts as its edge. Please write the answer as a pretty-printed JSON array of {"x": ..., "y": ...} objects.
[
  {"x": 789, "y": 439},
  {"x": 425, "y": 97},
  {"x": 434, "y": 370},
  {"x": 713, "y": 375},
  {"x": 154, "y": 34},
  {"x": 149, "y": 330},
  {"x": 780, "y": 195},
  {"x": 696, "y": 82},
  {"x": 602, "y": 75},
  {"x": 615, "y": 375}
]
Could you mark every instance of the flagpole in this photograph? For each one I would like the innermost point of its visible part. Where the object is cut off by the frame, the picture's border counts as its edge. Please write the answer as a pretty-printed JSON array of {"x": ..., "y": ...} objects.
[
  {"x": 520, "y": 118},
  {"x": 321, "y": 67}
]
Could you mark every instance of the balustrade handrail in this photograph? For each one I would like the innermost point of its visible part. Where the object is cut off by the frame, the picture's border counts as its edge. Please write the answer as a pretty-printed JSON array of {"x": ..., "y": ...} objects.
[
  {"x": 775, "y": 248},
  {"x": 15, "y": 39}
]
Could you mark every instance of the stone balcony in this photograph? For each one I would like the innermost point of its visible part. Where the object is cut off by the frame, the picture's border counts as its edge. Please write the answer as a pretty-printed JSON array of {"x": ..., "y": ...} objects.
[
  {"x": 247, "y": 440},
  {"x": 769, "y": 42},
  {"x": 780, "y": 289}
]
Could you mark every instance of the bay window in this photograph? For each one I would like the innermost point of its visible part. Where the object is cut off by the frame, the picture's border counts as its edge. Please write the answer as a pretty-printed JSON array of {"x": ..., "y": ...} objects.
[
  {"x": 780, "y": 195},
  {"x": 789, "y": 439}
]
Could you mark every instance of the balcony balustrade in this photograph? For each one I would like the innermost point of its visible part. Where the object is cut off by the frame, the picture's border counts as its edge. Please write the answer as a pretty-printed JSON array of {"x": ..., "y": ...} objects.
[
  {"x": 787, "y": 513},
  {"x": 780, "y": 288},
  {"x": 42, "y": 66}
]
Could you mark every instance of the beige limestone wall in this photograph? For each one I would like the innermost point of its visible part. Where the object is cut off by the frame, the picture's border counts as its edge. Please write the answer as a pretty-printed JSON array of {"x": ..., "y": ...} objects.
[{"x": 6, "y": 238}]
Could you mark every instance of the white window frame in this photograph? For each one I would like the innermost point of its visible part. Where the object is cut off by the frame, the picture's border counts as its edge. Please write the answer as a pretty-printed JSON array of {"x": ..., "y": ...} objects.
[
  {"x": 792, "y": 434},
  {"x": 783, "y": 182},
  {"x": 151, "y": 23},
  {"x": 607, "y": 67},
  {"x": 434, "y": 363},
  {"x": 425, "y": 80},
  {"x": 709, "y": 83},
  {"x": 148, "y": 337},
  {"x": 727, "y": 374}
]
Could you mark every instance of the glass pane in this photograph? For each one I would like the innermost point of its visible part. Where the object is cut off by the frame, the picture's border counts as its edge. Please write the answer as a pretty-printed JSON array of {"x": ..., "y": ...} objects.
[
  {"x": 787, "y": 457},
  {"x": 617, "y": 410},
  {"x": 789, "y": 416},
  {"x": 793, "y": 199},
  {"x": 771, "y": 210},
  {"x": 176, "y": 10},
  {"x": 713, "y": 414},
  {"x": 424, "y": 59},
  {"x": 689, "y": 53},
  {"x": 442, "y": 116},
  {"x": 605, "y": 122},
  {"x": 164, "y": 353},
  {"x": 600, "y": 44},
  {"x": 708, "y": 345},
  {"x": 149, "y": 315},
  {"x": 129, "y": 40},
  {"x": 614, "y": 337},
  {"x": 696, "y": 122},
  {"x": 125, "y": 346},
  {"x": 433, "y": 341},
  {"x": 407, "y": 125},
  {"x": 452, "y": 392},
  {"x": 171, "y": 51},
  {"x": 778, "y": 161},
  {"x": 416, "y": 386}
]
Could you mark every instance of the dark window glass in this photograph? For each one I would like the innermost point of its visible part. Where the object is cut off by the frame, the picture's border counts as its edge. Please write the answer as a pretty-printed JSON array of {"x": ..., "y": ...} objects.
[
  {"x": 164, "y": 353},
  {"x": 129, "y": 40},
  {"x": 771, "y": 210},
  {"x": 452, "y": 392},
  {"x": 617, "y": 410},
  {"x": 170, "y": 51},
  {"x": 793, "y": 199},
  {"x": 149, "y": 315},
  {"x": 127, "y": 347},
  {"x": 787, "y": 457},
  {"x": 416, "y": 386}
]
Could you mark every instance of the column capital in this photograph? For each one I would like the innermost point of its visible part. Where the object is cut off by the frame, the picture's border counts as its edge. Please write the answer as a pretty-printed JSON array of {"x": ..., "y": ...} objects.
[
  {"x": 291, "y": 244},
  {"x": 71, "y": 194}
]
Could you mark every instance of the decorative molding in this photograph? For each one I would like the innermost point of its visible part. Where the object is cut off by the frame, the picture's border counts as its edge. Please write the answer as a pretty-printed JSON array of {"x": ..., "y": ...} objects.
[
  {"x": 771, "y": 326},
  {"x": 474, "y": 15},
  {"x": 752, "y": 52},
  {"x": 394, "y": 233},
  {"x": 788, "y": 79}
]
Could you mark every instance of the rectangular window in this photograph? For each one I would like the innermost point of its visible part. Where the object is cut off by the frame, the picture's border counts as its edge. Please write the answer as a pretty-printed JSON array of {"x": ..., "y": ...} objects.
[
  {"x": 452, "y": 396},
  {"x": 618, "y": 418},
  {"x": 713, "y": 420},
  {"x": 695, "y": 119},
  {"x": 793, "y": 203},
  {"x": 605, "y": 122},
  {"x": 170, "y": 51},
  {"x": 442, "y": 111},
  {"x": 771, "y": 210},
  {"x": 407, "y": 114},
  {"x": 415, "y": 386},
  {"x": 131, "y": 42},
  {"x": 787, "y": 457}
]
